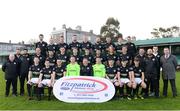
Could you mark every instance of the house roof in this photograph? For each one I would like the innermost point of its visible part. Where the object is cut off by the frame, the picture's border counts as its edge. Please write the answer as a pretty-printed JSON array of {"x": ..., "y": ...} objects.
[{"x": 158, "y": 41}]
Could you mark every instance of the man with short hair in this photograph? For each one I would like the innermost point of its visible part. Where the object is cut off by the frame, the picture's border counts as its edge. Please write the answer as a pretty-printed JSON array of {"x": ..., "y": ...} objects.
[
  {"x": 10, "y": 67},
  {"x": 24, "y": 69},
  {"x": 99, "y": 69},
  {"x": 169, "y": 65},
  {"x": 73, "y": 68},
  {"x": 86, "y": 68},
  {"x": 42, "y": 45}
]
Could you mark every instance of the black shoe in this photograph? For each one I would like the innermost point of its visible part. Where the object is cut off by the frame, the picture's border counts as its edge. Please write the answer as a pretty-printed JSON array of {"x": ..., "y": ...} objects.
[
  {"x": 29, "y": 98},
  {"x": 157, "y": 97},
  {"x": 22, "y": 94},
  {"x": 165, "y": 96}
]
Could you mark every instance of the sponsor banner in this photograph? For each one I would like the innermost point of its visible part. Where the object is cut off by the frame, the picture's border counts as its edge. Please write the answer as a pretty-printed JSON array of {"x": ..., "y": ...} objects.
[{"x": 83, "y": 89}]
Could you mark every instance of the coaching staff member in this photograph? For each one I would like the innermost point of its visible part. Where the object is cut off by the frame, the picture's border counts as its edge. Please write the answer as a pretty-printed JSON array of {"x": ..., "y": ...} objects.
[
  {"x": 11, "y": 72},
  {"x": 169, "y": 65}
]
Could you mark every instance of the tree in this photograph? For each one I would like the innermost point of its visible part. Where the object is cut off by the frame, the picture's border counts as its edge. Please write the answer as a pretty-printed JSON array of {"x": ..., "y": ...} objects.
[
  {"x": 110, "y": 29},
  {"x": 161, "y": 32},
  {"x": 32, "y": 42}
]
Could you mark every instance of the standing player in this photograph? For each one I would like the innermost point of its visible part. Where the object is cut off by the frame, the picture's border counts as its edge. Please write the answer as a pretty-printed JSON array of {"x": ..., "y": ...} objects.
[
  {"x": 74, "y": 43},
  {"x": 62, "y": 44},
  {"x": 98, "y": 44},
  {"x": 125, "y": 55},
  {"x": 119, "y": 44},
  {"x": 131, "y": 47},
  {"x": 51, "y": 57},
  {"x": 33, "y": 76},
  {"x": 45, "y": 79},
  {"x": 111, "y": 54},
  {"x": 73, "y": 68},
  {"x": 42, "y": 45},
  {"x": 99, "y": 69},
  {"x": 98, "y": 54},
  {"x": 86, "y": 44},
  {"x": 108, "y": 43},
  {"x": 40, "y": 56},
  {"x": 75, "y": 53},
  {"x": 51, "y": 46},
  {"x": 62, "y": 55},
  {"x": 88, "y": 56}
]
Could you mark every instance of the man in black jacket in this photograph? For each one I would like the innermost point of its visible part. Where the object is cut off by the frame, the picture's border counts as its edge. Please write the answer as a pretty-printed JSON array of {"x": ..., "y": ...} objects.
[
  {"x": 151, "y": 74},
  {"x": 25, "y": 62},
  {"x": 10, "y": 68}
]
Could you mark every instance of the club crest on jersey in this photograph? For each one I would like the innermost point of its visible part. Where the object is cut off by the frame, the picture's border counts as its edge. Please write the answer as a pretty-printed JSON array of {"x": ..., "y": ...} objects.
[
  {"x": 126, "y": 70},
  {"x": 62, "y": 70},
  {"x": 140, "y": 70},
  {"x": 14, "y": 62},
  {"x": 114, "y": 70}
]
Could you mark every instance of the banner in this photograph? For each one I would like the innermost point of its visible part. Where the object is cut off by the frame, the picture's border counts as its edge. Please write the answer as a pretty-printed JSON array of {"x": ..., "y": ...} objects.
[{"x": 83, "y": 89}]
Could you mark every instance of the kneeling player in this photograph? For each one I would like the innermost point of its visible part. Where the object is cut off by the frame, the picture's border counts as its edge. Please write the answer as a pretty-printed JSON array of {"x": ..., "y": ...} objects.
[
  {"x": 125, "y": 78},
  {"x": 45, "y": 80},
  {"x": 58, "y": 71},
  {"x": 139, "y": 78},
  {"x": 33, "y": 76},
  {"x": 111, "y": 73}
]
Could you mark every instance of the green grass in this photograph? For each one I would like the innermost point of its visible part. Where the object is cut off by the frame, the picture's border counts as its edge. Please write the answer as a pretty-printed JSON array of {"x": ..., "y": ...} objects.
[{"x": 21, "y": 103}]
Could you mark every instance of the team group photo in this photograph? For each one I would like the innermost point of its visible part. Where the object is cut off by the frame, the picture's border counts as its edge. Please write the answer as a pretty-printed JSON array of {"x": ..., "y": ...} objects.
[{"x": 73, "y": 69}]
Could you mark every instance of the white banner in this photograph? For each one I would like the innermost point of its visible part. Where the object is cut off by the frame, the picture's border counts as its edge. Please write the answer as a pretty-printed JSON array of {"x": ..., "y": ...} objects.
[{"x": 83, "y": 89}]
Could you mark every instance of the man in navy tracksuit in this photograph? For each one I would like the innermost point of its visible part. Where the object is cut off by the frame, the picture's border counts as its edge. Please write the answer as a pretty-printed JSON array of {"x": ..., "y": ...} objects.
[{"x": 10, "y": 67}]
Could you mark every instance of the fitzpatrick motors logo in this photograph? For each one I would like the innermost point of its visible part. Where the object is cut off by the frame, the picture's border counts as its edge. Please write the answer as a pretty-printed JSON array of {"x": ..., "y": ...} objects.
[
  {"x": 83, "y": 89},
  {"x": 83, "y": 85}
]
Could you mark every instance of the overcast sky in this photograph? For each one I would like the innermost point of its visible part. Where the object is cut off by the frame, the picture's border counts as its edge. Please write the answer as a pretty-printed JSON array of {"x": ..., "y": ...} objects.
[{"x": 26, "y": 19}]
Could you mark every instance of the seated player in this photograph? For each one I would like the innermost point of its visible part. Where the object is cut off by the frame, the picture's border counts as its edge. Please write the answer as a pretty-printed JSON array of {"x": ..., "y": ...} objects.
[
  {"x": 33, "y": 76},
  {"x": 111, "y": 73},
  {"x": 86, "y": 68},
  {"x": 139, "y": 78},
  {"x": 125, "y": 78},
  {"x": 59, "y": 71},
  {"x": 45, "y": 79},
  {"x": 99, "y": 69},
  {"x": 73, "y": 68}
]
